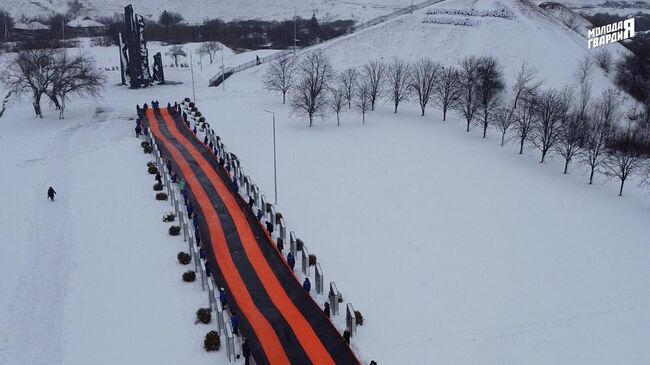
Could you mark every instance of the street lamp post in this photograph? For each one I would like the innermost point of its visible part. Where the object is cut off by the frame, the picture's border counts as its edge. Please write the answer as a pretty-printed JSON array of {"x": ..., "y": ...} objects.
[
  {"x": 275, "y": 160},
  {"x": 192, "y": 72}
]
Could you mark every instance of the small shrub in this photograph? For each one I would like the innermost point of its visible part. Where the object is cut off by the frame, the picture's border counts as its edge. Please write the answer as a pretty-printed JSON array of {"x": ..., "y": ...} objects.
[
  {"x": 358, "y": 317},
  {"x": 203, "y": 315},
  {"x": 161, "y": 196},
  {"x": 151, "y": 163},
  {"x": 189, "y": 276},
  {"x": 299, "y": 244},
  {"x": 144, "y": 144},
  {"x": 184, "y": 258},
  {"x": 157, "y": 187},
  {"x": 312, "y": 260},
  {"x": 147, "y": 149},
  {"x": 212, "y": 341},
  {"x": 194, "y": 109},
  {"x": 202, "y": 120},
  {"x": 197, "y": 114},
  {"x": 152, "y": 169},
  {"x": 174, "y": 230},
  {"x": 186, "y": 100},
  {"x": 170, "y": 217},
  {"x": 190, "y": 104}
]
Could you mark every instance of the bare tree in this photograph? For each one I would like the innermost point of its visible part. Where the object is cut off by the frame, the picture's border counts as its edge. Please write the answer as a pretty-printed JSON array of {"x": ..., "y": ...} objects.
[
  {"x": 584, "y": 69},
  {"x": 526, "y": 84},
  {"x": 398, "y": 77},
  {"x": 570, "y": 20},
  {"x": 374, "y": 73},
  {"x": 74, "y": 76},
  {"x": 424, "y": 74},
  {"x": 279, "y": 76},
  {"x": 551, "y": 109},
  {"x": 349, "y": 79},
  {"x": 32, "y": 71},
  {"x": 626, "y": 152},
  {"x": 363, "y": 98},
  {"x": 524, "y": 115},
  {"x": 504, "y": 119},
  {"x": 489, "y": 86},
  {"x": 604, "y": 59},
  {"x": 468, "y": 102},
  {"x": 309, "y": 96},
  {"x": 571, "y": 139},
  {"x": 176, "y": 51},
  {"x": 337, "y": 100},
  {"x": 446, "y": 91},
  {"x": 599, "y": 129},
  {"x": 210, "y": 49}
]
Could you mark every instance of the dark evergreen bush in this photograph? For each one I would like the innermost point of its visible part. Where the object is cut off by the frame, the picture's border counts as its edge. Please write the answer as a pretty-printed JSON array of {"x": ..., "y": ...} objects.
[
  {"x": 212, "y": 341},
  {"x": 161, "y": 196},
  {"x": 203, "y": 315},
  {"x": 186, "y": 100},
  {"x": 197, "y": 114},
  {"x": 152, "y": 169},
  {"x": 358, "y": 317},
  {"x": 202, "y": 119},
  {"x": 157, "y": 187},
  {"x": 184, "y": 258},
  {"x": 170, "y": 217},
  {"x": 190, "y": 104},
  {"x": 174, "y": 230},
  {"x": 299, "y": 244},
  {"x": 144, "y": 144},
  {"x": 189, "y": 276},
  {"x": 312, "y": 260},
  {"x": 151, "y": 163},
  {"x": 147, "y": 149}
]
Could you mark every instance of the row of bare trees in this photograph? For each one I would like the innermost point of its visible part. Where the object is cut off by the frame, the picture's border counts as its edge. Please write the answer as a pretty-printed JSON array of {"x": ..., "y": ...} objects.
[
  {"x": 568, "y": 123},
  {"x": 54, "y": 74}
]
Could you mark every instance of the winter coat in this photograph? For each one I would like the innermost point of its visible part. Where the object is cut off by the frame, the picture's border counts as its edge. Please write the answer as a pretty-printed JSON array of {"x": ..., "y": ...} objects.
[
  {"x": 245, "y": 350},
  {"x": 51, "y": 192},
  {"x": 222, "y": 297},
  {"x": 181, "y": 185},
  {"x": 346, "y": 336},
  {"x": 291, "y": 260},
  {"x": 306, "y": 285},
  {"x": 326, "y": 310},
  {"x": 235, "y": 324}
]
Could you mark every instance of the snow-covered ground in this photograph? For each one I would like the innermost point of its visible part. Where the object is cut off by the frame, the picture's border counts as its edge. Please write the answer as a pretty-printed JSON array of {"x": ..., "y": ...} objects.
[{"x": 454, "y": 249}]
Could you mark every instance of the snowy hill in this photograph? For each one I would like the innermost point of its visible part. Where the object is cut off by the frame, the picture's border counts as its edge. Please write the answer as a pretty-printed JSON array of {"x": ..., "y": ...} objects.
[
  {"x": 199, "y": 10},
  {"x": 455, "y": 250}
]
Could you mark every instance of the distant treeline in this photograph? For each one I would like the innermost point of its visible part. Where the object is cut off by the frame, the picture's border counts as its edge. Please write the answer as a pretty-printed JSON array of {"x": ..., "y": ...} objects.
[{"x": 238, "y": 34}]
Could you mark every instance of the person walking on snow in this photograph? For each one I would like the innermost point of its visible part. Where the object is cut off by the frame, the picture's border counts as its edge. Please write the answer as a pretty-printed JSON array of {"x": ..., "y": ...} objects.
[
  {"x": 138, "y": 131},
  {"x": 306, "y": 285},
  {"x": 51, "y": 193}
]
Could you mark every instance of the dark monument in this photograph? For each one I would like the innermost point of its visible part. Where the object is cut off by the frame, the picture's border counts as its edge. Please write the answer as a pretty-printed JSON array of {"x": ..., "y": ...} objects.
[{"x": 134, "y": 56}]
